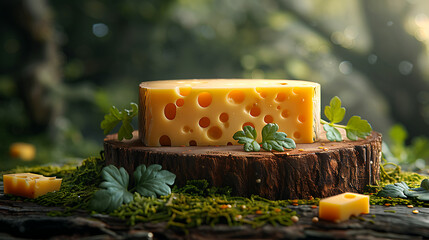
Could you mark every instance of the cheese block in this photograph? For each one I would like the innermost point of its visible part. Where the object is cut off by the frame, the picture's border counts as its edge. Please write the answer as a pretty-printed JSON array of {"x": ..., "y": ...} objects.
[
  {"x": 208, "y": 112},
  {"x": 30, "y": 185},
  {"x": 340, "y": 207}
]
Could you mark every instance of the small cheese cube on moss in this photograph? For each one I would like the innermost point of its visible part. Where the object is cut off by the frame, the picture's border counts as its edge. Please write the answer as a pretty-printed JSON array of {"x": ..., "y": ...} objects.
[{"x": 30, "y": 185}]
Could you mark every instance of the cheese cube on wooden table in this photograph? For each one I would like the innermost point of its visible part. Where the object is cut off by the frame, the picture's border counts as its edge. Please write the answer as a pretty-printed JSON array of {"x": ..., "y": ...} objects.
[
  {"x": 30, "y": 185},
  {"x": 341, "y": 207}
]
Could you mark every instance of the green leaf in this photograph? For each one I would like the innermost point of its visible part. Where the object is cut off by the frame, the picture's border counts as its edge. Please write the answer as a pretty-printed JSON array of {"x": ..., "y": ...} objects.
[
  {"x": 114, "y": 190},
  {"x": 271, "y": 139},
  {"x": 398, "y": 134},
  {"x": 332, "y": 134},
  {"x": 110, "y": 120},
  {"x": 247, "y": 136},
  {"x": 357, "y": 128},
  {"x": 403, "y": 191},
  {"x": 394, "y": 190},
  {"x": 152, "y": 181},
  {"x": 334, "y": 112},
  {"x": 421, "y": 193},
  {"x": 114, "y": 117},
  {"x": 101, "y": 201}
]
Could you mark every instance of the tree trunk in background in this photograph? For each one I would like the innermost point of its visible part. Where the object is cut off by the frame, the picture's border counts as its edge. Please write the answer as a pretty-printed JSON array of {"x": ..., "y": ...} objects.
[
  {"x": 38, "y": 74},
  {"x": 392, "y": 45}
]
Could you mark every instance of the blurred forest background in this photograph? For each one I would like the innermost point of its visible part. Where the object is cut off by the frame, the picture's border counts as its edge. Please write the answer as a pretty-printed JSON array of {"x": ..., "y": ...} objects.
[{"x": 64, "y": 63}]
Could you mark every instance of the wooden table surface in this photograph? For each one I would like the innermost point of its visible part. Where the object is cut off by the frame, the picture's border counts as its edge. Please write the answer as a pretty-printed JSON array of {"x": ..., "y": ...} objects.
[{"x": 26, "y": 220}]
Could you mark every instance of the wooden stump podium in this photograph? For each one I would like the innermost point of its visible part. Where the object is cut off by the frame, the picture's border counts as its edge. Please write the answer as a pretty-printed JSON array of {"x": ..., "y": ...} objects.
[{"x": 318, "y": 169}]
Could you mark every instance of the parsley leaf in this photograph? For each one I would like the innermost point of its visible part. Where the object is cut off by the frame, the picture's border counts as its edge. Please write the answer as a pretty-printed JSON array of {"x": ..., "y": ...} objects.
[
  {"x": 356, "y": 127},
  {"x": 334, "y": 112},
  {"x": 152, "y": 181},
  {"x": 332, "y": 134},
  {"x": 271, "y": 139},
  {"x": 247, "y": 136},
  {"x": 114, "y": 117},
  {"x": 115, "y": 190}
]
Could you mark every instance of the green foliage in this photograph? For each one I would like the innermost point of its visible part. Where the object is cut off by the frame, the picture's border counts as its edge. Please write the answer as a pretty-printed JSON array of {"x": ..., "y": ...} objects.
[
  {"x": 409, "y": 156},
  {"x": 271, "y": 139},
  {"x": 247, "y": 136},
  {"x": 334, "y": 112},
  {"x": 114, "y": 190},
  {"x": 394, "y": 190},
  {"x": 402, "y": 190},
  {"x": 356, "y": 127},
  {"x": 114, "y": 117},
  {"x": 150, "y": 181}
]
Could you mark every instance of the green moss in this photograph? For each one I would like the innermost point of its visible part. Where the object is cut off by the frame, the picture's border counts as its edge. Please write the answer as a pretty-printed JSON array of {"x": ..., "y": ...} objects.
[
  {"x": 201, "y": 188},
  {"x": 181, "y": 210}
]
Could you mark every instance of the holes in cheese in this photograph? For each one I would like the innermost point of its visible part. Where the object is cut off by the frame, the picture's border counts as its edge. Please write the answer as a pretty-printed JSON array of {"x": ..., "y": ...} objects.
[
  {"x": 185, "y": 91},
  {"x": 192, "y": 143},
  {"x": 223, "y": 117},
  {"x": 248, "y": 124},
  {"x": 268, "y": 119},
  {"x": 297, "y": 135},
  {"x": 209, "y": 112},
  {"x": 204, "y": 99},
  {"x": 236, "y": 96},
  {"x": 214, "y": 133},
  {"x": 170, "y": 111},
  {"x": 165, "y": 140},
  {"x": 301, "y": 118},
  {"x": 204, "y": 122},
  {"x": 261, "y": 92},
  {"x": 281, "y": 96},
  {"x": 255, "y": 110},
  {"x": 187, "y": 129},
  {"x": 180, "y": 102},
  {"x": 285, "y": 113}
]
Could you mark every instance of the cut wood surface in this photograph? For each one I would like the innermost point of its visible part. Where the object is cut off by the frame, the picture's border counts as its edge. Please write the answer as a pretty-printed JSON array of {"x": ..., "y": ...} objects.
[{"x": 319, "y": 169}]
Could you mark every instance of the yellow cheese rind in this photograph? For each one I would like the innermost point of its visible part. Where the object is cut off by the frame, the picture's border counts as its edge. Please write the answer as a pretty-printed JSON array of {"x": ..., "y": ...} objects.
[
  {"x": 209, "y": 112},
  {"x": 30, "y": 185},
  {"x": 341, "y": 207}
]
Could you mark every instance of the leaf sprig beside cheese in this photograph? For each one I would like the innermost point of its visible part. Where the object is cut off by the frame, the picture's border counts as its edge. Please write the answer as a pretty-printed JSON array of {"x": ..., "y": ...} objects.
[
  {"x": 149, "y": 181},
  {"x": 114, "y": 117},
  {"x": 356, "y": 127},
  {"x": 271, "y": 139}
]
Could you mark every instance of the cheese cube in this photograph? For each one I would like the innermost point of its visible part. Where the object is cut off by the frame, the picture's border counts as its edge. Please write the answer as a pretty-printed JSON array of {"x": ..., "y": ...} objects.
[
  {"x": 209, "y": 112},
  {"x": 30, "y": 185},
  {"x": 340, "y": 207}
]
